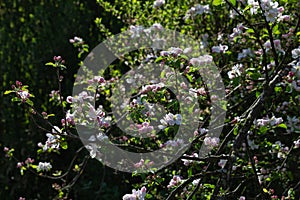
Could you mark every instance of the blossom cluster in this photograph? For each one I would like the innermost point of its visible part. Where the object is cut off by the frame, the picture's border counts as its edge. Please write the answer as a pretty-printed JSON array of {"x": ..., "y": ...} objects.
[
  {"x": 270, "y": 9},
  {"x": 211, "y": 142},
  {"x": 273, "y": 121},
  {"x": 170, "y": 120},
  {"x": 176, "y": 180},
  {"x": 196, "y": 10},
  {"x": 44, "y": 166},
  {"x": 136, "y": 194},
  {"x": 187, "y": 162},
  {"x": 53, "y": 141}
]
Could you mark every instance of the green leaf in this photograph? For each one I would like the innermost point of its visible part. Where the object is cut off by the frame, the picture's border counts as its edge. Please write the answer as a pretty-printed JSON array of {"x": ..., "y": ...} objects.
[
  {"x": 190, "y": 172},
  {"x": 57, "y": 173},
  {"x": 257, "y": 94},
  {"x": 29, "y": 102},
  {"x": 282, "y": 126},
  {"x": 50, "y": 64},
  {"x": 184, "y": 57},
  {"x": 263, "y": 129},
  {"x": 255, "y": 76},
  {"x": 33, "y": 166},
  {"x": 233, "y": 2},
  {"x": 235, "y": 131},
  {"x": 265, "y": 190},
  {"x": 39, "y": 151},
  {"x": 8, "y": 91},
  {"x": 276, "y": 30},
  {"x": 278, "y": 89},
  {"x": 15, "y": 99},
  {"x": 76, "y": 168},
  {"x": 62, "y": 67},
  {"x": 64, "y": 145},
  {"x": 249, "y": 30},
  {"x": 217, "y": 2}
]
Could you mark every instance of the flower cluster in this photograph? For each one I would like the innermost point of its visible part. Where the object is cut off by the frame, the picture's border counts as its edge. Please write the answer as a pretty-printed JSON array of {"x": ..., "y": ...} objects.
[
  {"x": 277, "y": 45},
  {"x": 273, "y": 121},
  {"x": 152, "y": 87},
  {"x": 202, "y": 60},
  {"x": 170, "y": 120},
  {"x": 22, "y": 93},
  {"x": 238, "y": 30},
  {"x": 173, "y": 51},
  {"x": 80, "y": 45},
  {"x": 219, "y": 49},
  {"x": 76, "y": 40},
  {"x": 211, "y": 142},
  {"x": 176, "y": 180},
  {"x": 136, "y": 194},
  {"x": 143, "y": 164},
  {"x": 53, "y": 141},
  {"x": 280, "y": 149},
  {"x": 245, "y": 53},
  {"x": 197, "y": 10},
  {"x": 158, "y": 3},
  {"x": 144, "y": 128},
  {"x": 271, "y": 10},
  {"x": 222, "y": 163},
  {"x": 173, "y": 143},
  {"x": 235, "y": 71},
  {"x": 44, "y": 166},
  {"x": 187, "y": 162}
]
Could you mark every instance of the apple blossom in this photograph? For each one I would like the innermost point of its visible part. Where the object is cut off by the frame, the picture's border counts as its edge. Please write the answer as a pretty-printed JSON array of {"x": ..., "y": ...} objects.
[{"x": 44, "y": 166}]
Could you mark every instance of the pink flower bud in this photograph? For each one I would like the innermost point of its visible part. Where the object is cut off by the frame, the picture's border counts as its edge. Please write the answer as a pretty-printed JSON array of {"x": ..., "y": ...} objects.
[
  {"x": 101, "y": 80},
  {"x": 276, "y": 42},
  {"x": 19, "y": 164},
  {"x": 286, "y": 17},
  {"x": 286, "y": 35},
  {"x": 6, "y": 149},
  {"x": 63, "y": 122},
  {"x": 29, "y": 161},
  {"x": 18, "y": 83},
  {"x": 291, "y": 74},
  {"x": 57, "y": 58},
  {"x": 69, "y": 99},
  {"x": 143, "y": 189},
  {"x": 281, "y": 9}
]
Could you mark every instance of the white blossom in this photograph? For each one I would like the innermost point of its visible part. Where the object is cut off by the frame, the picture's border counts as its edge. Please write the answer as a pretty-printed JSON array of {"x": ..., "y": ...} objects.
[
  {"x": 44, "y": 166},
  {"x": 136, "y": 194},
  {"x": 158, "y": 3},
  {"x": 235, "y": 71},
  {"x": 219, "y": 49}
]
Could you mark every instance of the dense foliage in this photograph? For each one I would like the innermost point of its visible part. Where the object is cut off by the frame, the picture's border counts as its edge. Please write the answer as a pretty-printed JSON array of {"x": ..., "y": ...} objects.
[{"x": 255, "y": 46}]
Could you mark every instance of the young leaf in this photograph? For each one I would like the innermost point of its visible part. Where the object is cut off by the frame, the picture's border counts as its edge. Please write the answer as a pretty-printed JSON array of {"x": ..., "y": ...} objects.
[
  {"x": 8, "y": 91},
  {"x": 282, "y": 126},
  {"x": 217, "y": 2},
  {"x": 50, "y": 64},
  {"x": 233, "y": 2},
  {"x": 64, "y": 145}
]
